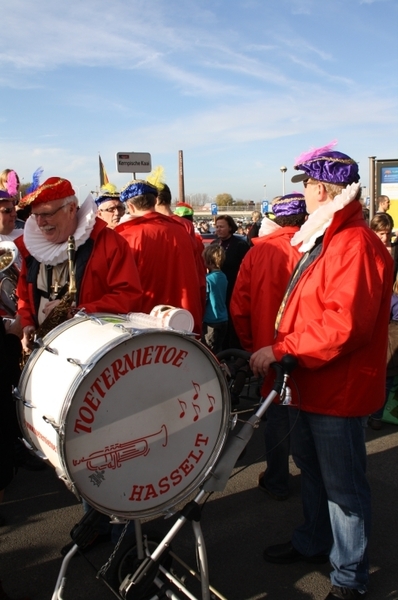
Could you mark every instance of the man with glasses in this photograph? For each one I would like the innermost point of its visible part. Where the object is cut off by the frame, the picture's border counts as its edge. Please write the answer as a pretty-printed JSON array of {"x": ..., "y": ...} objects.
[
  {"x": 106, "y": 273},
  {"x": 334, "y": 319},
  {"x": 110, "y": 209}
]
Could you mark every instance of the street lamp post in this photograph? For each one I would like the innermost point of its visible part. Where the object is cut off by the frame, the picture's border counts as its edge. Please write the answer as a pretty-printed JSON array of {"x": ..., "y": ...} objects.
[{"x": 283, "y": 171}]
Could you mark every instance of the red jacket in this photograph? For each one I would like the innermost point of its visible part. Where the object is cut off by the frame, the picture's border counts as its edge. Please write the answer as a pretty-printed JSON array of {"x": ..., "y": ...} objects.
[
  {"x": 262, "y": 279},
  {"x": 336, "y": 321},
  {"x": 165, "y": 257},
  {"x": 110, "y": 282},
  {"x": 199, "y": 247}
]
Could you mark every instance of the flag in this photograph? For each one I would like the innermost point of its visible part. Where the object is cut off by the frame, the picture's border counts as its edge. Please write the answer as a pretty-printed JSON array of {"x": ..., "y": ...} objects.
[{"x": 103, "y": 175}]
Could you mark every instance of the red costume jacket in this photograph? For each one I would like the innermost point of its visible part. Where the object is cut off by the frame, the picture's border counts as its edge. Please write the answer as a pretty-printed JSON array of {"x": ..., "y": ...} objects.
[
  {"x": 261, "y": 283},
  {"x": 199, "y": 247},
  {"x": 108, "y": 281},
  {"x": 166, "y": 262},
  {"x": 336, "y": 321}
]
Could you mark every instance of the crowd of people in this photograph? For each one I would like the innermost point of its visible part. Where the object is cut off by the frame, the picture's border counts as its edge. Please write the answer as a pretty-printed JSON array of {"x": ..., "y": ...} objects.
[{"x": 315, "y": 281}]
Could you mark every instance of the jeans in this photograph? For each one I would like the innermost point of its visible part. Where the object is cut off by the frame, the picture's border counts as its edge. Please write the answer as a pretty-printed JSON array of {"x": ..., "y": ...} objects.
[
  {"x": 331, "y": 453},
  {"x": 213, "y": 335},
  {"x": 277, "y": 449}
]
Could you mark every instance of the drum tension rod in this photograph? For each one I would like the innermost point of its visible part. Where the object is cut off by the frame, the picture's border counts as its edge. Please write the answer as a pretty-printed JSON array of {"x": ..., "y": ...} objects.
[
  {"x": 51, "y": 422},
  {"x": 38, "y": 343},
  {"x": 132, "y": 332},
  {"x": 77, "y": 363}
]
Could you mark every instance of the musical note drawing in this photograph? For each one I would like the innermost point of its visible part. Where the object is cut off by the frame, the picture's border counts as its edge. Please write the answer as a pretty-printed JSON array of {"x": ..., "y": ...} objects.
[
  {"x": 212, "y": 401},
  {"x": 196, "y": 408},
  {"x": 183, "y": 408},
  {"x": 111, "y": 457},
  {"x": 197, "y": 390}
]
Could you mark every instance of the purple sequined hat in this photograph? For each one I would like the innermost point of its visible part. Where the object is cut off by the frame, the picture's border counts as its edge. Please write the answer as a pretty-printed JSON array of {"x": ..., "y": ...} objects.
[
  {"x": 326, "y": 165},
  {"x": 291, "y": 204}
]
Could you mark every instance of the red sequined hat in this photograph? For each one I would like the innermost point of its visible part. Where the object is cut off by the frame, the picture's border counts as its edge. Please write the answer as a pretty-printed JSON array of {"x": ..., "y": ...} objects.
[{"x": 54, "y": 188}]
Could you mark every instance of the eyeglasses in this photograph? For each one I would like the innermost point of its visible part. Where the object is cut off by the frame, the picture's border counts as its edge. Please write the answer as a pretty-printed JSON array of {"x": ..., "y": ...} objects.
[
  {"x": 8, "y": 211},
  {"x": 305, "y": 183},
  {"x": 112, "y": 209},
  {"x": 47, "y": 215}
]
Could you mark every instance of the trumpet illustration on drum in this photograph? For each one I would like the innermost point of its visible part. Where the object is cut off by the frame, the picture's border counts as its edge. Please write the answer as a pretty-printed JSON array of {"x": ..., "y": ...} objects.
[{"x": 112, "y": 457}]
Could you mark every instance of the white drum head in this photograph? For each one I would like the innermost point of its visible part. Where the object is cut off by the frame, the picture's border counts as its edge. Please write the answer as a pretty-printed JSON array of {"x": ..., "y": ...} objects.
[{"x": 142, "y": 429}]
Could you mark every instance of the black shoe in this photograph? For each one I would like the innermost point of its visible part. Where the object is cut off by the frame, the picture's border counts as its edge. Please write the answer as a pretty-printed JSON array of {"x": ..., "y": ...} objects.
[
  {"x": 374, "y": 424},
  {"x": 343, "y": 593},
  {"x": 262, "y": 487},
  {"x": 285, "y": 554},
  {"x": 101, "y": 538}
]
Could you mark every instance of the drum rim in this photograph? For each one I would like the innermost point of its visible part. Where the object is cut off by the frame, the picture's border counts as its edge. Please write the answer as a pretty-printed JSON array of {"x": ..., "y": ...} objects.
[{"x": 169, "y": 505}]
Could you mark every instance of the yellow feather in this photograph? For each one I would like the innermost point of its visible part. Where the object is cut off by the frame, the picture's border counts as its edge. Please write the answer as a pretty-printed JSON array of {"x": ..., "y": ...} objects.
[
  {"x": 109, "y": 188},
  {"x": 156, "y": 177}
]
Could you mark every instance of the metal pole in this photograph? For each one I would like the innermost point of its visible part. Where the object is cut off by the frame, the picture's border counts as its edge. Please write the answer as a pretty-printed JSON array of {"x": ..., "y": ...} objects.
[
  {"x": 283, "y": 171},
  {"x": 372, "y": 183},
  {"x": 181, "y": 191}
]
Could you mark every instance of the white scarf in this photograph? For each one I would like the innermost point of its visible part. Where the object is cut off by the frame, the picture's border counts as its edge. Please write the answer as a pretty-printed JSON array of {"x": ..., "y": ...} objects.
[
  {"x": 321, "y": 218},
  {"x": 267, "y": 226},
  {"x": 53, "y": 254}
]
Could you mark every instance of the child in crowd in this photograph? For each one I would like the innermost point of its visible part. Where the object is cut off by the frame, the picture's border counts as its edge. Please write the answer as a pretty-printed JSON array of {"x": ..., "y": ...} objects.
[
  {"x": 381, "y": 225},
  {"x": 215, "y": 321}
]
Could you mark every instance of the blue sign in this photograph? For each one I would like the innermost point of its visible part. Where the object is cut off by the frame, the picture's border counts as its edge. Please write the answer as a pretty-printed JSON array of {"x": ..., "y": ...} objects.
[
  {"x": 389, "y": 175},
  {"x": 265, "y": 207},
  {"x": 214, "y": 209}
]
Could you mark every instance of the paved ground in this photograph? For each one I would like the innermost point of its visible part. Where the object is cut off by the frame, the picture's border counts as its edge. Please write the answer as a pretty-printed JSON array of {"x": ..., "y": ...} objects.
[{"x": 237, "y": 525}]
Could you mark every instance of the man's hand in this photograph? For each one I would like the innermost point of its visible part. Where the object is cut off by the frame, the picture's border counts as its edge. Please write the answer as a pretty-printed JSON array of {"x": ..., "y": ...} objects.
[
  {"x": 261, "y": 360},
  {"x": 27, "y": 340}
]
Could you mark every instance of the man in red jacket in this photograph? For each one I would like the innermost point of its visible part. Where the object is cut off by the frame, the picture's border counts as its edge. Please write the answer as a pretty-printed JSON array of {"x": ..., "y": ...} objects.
[
  {"x": 334, "y": 319},
  {"x": 164, "y": 253},
  {"x": 106, "y": 273},
  {"x": 259, "y": 288}
]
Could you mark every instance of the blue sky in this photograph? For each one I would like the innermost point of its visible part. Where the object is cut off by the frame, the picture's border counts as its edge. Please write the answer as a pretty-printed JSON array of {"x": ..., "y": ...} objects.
[{"x": 242, "y": 87}]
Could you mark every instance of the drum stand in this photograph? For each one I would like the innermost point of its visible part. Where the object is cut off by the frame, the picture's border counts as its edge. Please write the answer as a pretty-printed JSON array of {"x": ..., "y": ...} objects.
[{"x": 150, "y": 568}]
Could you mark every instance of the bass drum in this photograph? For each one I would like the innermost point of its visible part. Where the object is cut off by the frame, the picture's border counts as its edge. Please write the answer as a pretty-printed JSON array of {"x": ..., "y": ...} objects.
[{"x": 132, "y": 420}]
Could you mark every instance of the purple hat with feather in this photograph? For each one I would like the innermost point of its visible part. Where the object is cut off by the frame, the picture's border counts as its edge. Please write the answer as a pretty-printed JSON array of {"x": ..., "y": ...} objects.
[
  {"x": 289, "y": 205},
  {"x": 324, "y": 164},
  {"x": 5, "y": 196}
]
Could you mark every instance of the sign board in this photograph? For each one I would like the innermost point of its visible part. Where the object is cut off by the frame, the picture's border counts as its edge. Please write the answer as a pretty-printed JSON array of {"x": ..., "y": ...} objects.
[
  {"x": 265, "y": 207},
  {"x": 133, "y": 162},
  {"x": 214, "y": 209},
  {"x": 387, "y": 184}
]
